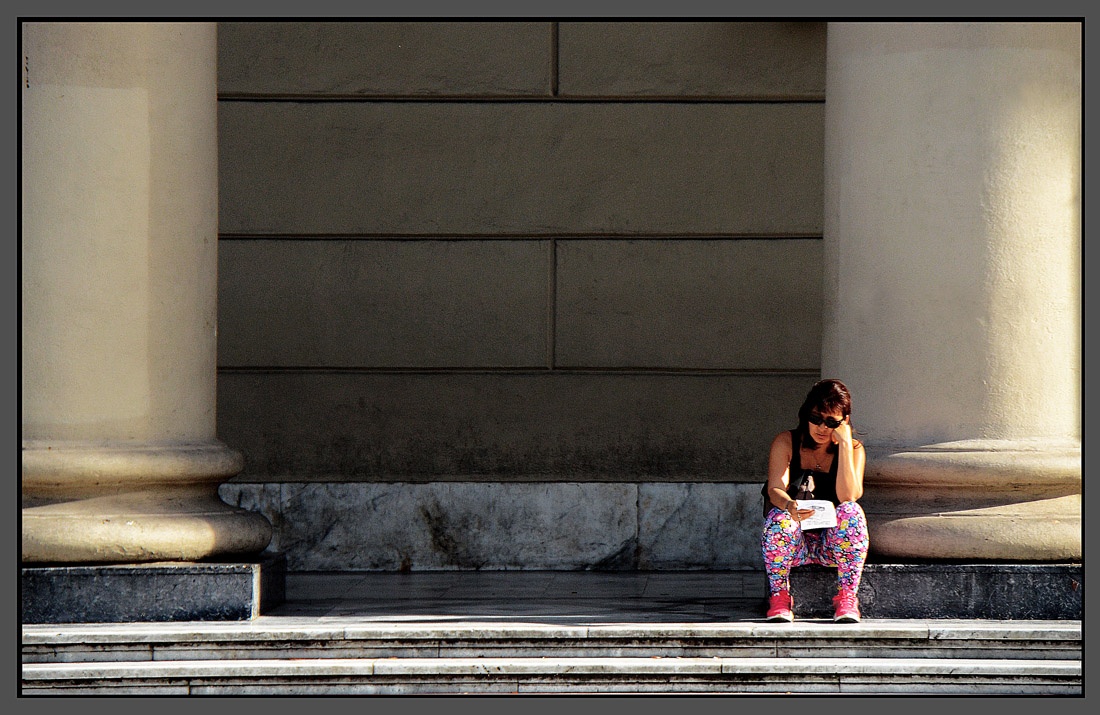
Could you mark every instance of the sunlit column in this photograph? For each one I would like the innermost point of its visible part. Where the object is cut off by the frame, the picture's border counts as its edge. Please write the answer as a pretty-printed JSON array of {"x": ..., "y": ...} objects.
[
  {"x": 953, "y": 281},
  {"x": 120, "y": 459}
]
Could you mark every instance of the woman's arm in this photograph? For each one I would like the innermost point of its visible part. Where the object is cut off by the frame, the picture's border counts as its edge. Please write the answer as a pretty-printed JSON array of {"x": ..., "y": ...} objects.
[
  {"x": 849, "y": 473},
  {"x": 779, "y": 466},
  {"x": 779, "y": 477}
]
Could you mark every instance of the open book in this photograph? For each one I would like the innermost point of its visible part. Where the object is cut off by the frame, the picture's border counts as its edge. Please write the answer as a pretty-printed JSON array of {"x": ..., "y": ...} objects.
[{"x": 824, "y": 514}]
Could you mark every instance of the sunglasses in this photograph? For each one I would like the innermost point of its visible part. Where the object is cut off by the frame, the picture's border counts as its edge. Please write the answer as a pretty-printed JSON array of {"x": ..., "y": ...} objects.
[{"x": 829, "y": 421}]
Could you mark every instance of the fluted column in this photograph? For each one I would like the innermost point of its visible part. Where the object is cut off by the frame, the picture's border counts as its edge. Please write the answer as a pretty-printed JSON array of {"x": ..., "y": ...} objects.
[
  {"x": 120, "y": 460},
  {"x": 953, "y": 284}
]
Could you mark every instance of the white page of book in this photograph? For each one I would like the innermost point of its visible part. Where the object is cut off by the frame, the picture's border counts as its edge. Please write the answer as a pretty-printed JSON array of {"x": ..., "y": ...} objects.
[{"x": 824, "y": 514}]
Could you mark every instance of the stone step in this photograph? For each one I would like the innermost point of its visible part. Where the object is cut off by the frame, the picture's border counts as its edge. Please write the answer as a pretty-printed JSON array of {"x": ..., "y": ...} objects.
[
  {"x": 394, "y": 676},
  {"x": 425, "y": 633},
  {"x": 353, "y": 638}
]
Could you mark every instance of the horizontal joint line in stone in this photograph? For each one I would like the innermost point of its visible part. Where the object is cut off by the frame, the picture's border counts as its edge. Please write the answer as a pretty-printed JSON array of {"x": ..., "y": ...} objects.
[
  {"x": 635, "y": 236},
  {"x": 518, "y": 99},
  {"x": 674, "y": 372}
]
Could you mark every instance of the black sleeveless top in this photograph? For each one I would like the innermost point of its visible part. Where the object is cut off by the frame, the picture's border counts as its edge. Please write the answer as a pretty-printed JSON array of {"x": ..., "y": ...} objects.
[{"x": 824, "y": 482}]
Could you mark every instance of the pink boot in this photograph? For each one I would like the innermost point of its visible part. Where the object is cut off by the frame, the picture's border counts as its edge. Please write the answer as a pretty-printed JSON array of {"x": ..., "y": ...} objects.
[
  {"x": 846, "y": 607},
  {"x": 780, "y": 607}
]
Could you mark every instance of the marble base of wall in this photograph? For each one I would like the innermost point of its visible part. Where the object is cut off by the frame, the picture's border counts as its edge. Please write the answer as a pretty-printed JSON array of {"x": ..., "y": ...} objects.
[{"x": 493, "y": 525}]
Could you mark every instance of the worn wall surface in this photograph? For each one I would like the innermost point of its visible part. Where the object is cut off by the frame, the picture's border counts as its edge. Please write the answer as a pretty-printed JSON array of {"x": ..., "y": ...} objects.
[{"x": 552, "y": 274}]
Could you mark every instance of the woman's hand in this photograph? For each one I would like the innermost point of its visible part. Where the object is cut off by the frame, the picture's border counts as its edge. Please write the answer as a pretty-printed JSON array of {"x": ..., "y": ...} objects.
[
  {"x": 796, "y": 513},
  {"x": 842, "y": 435}
]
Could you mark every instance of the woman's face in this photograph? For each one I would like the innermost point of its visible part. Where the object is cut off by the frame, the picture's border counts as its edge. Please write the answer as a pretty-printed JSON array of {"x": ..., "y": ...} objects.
[{"x": 822, "y": 432}]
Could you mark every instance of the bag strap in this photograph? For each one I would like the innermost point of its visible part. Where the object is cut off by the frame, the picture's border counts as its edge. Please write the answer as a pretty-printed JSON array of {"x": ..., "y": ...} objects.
[
  {"x": 793, "y": 487},
  {"x": 796, "y": 458}
]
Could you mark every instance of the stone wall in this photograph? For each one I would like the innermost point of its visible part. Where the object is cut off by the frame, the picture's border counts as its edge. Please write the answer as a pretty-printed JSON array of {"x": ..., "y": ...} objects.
[{"x": 518, "y": 294}]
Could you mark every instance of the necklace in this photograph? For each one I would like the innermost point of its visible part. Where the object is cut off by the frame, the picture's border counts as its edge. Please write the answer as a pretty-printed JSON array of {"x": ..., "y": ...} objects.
[{"x": 817, "y": 461}]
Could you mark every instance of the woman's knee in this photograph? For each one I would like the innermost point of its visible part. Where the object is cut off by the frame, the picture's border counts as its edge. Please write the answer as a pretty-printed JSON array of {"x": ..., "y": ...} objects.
[
  {"x": 780, "y": 522},
  {"x": 850, "y": 533},
  {"x": 849, "y": 515},
  {"x": 850, "y": 509}
]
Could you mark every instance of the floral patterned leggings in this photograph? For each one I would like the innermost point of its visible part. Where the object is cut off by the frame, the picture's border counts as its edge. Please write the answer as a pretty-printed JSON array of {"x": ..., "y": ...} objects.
[{"x": 844, "y": 546}]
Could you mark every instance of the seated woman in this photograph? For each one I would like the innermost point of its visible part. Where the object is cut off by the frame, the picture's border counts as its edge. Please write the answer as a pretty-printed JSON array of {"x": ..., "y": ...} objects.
[{"x": 823, "y": 445}]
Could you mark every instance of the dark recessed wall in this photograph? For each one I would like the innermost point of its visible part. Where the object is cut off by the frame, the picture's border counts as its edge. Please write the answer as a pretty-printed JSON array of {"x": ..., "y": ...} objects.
[{"x": 517, "y": 251}]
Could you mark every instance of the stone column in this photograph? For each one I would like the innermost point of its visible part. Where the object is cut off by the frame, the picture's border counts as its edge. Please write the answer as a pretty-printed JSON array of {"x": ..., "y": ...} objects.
[
  {"x": 953, "y": 281},
  {"x": 120, "y": 459}
]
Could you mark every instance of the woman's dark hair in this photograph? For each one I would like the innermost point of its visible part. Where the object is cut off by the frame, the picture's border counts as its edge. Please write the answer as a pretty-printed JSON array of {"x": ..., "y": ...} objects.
[{"x": 824, "y": 396}]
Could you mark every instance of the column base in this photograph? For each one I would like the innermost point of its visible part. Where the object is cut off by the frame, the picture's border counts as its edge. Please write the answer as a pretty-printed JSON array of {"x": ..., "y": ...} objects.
[
  {"x": 166, "y": 591},
  {"x": 975, "y": 500},
  {"x": 133, "y": 503}
]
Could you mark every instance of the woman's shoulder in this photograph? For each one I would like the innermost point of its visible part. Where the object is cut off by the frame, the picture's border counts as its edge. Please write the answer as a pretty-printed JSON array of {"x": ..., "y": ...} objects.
[{"x": 783, "y": 439}]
